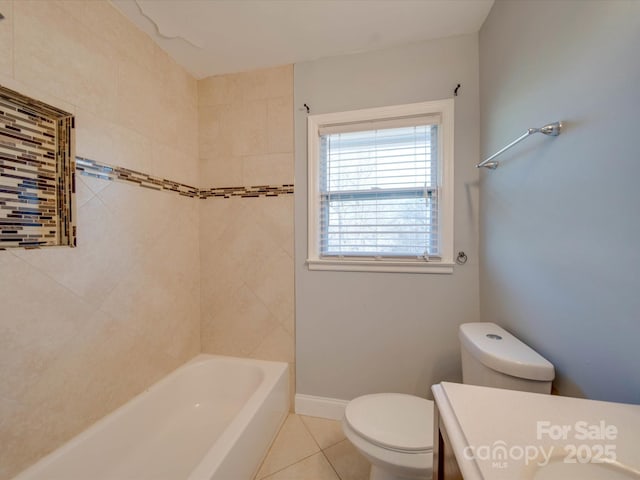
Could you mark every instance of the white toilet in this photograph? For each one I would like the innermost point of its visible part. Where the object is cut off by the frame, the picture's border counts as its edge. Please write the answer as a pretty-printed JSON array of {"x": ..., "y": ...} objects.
[{"x": 394, "y": 431}]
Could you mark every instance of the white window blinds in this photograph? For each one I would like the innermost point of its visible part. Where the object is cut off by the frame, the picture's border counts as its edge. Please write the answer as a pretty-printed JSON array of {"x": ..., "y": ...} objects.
[{"x": 379, "y": 188}]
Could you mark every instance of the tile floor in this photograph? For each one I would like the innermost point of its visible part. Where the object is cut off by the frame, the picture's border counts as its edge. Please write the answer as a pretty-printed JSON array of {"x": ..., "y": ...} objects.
[{"x": 310, "y": 448}]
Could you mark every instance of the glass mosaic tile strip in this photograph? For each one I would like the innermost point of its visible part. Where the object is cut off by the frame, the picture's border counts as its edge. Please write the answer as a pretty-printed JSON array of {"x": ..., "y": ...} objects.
[
  {"x": 37, "y": 173},
  {"x": 91, "y": 168},
  {"x": 95, "y": 169},
  {"x": 254, "y": 191}
]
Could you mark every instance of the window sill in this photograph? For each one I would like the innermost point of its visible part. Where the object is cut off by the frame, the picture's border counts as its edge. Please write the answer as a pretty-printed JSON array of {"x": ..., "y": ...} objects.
[{"x": 389, "y": 266}]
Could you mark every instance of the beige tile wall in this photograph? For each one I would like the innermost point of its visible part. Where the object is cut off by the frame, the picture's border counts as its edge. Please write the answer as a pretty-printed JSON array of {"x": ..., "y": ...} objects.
[
  {"x": 83, "y": 330},
  {"x": 247, "y": 291}
]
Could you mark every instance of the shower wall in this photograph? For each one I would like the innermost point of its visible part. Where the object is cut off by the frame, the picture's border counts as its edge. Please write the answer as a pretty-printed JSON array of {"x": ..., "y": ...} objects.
[
  {"x": 246, "y": 140},
  {"x": 83, "y": 330}
]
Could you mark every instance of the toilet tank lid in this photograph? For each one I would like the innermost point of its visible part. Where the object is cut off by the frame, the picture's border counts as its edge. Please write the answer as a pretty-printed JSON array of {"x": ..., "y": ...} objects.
[{"x": 499, "y": 350}]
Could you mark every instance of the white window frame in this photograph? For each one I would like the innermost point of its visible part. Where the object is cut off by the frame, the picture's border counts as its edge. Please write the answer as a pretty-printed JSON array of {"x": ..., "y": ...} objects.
[{"x": 443, "y": 264}]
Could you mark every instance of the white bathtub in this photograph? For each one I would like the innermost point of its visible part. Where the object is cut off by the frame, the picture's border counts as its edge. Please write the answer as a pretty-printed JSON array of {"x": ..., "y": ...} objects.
[{"x": 211, "y": 419}]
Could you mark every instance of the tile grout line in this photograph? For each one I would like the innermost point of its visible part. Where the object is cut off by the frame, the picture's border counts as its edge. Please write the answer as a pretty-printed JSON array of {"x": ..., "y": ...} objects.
[
  {"x": 271, "y": 446},
  {"x": 322, "y": 450},
  {"x": 309, "y": 431},
  {"x": 314, "y": 438},
  {"x": 331, "y": 464},
  {"x": 290, "y": 465},
  {"x": 273, "y": 441}
]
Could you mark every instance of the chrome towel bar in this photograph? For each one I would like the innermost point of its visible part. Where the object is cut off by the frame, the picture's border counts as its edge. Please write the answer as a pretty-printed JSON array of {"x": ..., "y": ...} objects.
[{"x": 551, "y": 129}]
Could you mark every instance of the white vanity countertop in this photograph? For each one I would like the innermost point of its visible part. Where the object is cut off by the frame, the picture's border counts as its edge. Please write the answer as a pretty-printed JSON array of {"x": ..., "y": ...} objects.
[{"x": 503, "y": 434}]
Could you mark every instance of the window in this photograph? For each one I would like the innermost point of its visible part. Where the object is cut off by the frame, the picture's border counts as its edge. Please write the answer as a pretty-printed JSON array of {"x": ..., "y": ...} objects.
[{"x": 381, "y": 189}]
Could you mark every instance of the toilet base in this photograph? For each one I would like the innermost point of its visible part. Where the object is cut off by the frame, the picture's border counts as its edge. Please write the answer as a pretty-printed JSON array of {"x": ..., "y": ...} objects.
[{"x": 378, "y": 473}]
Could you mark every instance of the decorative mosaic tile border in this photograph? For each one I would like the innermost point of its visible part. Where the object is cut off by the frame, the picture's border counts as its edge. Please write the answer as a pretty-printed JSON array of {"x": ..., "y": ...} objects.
[
  {"x": 37, "y": 173},
  {"x": 254, "y": 191},
  {"x": 91, "y": 168},
  {"x": 103, "y": 171}
]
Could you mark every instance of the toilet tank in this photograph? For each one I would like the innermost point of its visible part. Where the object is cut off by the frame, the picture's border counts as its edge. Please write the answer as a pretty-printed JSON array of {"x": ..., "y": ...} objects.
[{"x": 492, "y": 357}]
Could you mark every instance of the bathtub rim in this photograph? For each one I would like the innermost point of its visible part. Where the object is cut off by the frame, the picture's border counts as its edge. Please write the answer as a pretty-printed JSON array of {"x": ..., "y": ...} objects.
[{"x": 275, "y": 372}]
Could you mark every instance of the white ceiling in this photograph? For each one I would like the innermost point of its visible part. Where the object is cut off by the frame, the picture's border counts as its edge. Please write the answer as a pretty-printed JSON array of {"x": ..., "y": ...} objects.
[{"x": 211, "y": 37}]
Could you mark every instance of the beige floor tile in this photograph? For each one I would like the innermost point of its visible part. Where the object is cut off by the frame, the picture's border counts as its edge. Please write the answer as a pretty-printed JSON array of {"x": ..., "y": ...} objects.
[
  {"x": 315, "y": 467},
  {"x": 348, "y": 462},
  {"x": 325, "y": 432},
  {"x": 293, "y": 443}
]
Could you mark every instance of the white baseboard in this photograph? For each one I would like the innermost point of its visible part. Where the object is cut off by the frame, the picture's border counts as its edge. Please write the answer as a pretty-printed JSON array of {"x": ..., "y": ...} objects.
[{"x": 323, "y": 407}]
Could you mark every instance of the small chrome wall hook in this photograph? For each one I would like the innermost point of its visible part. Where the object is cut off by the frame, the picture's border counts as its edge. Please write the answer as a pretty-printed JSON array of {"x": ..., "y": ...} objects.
[{"x": 461, "y": 259}]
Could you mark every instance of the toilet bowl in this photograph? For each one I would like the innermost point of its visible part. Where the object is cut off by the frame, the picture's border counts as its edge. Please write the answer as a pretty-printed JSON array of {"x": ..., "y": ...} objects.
[{"x": 394, "y": 431}]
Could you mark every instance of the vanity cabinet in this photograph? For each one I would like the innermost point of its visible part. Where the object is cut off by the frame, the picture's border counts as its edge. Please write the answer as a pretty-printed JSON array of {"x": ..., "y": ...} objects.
[
  {"x": 445, "y": 466},
  {"x": 483, "y": 433}
]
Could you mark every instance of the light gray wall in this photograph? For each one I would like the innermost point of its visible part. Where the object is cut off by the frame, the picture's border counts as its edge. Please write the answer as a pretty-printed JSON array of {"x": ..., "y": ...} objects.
[
  {"x": 361, "y": 333},
  {"x": 560, "y": 218}
]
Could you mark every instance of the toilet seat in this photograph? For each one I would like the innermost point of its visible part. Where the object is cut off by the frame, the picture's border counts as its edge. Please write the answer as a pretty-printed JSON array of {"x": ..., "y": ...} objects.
[{"x": 393, "y": 421}]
